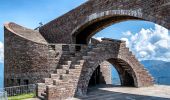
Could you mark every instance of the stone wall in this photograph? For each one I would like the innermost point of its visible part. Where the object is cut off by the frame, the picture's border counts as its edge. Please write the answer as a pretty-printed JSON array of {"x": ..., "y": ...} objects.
[
  {"x": 26, "y": 61},
  {"x": 105, "y": 68}
]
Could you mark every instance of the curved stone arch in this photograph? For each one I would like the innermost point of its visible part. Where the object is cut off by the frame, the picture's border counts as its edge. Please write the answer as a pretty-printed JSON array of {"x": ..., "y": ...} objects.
[
  {"x": 105, "y": 14},
  {"x": 83, "y": 90},
  {"x": 105, "y": 19},
  {"x": 122, "y": 59},
  {"x": 63, "y": 28}
]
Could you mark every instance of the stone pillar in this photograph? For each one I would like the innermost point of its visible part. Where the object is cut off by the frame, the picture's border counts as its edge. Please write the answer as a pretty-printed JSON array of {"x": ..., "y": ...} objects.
[{"x": 105, "y": 69}]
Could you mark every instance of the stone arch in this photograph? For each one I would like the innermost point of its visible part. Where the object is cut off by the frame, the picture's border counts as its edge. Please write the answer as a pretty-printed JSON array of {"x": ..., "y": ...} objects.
[
  {"x": 131, "y": 72},
  {"x": 126, "y": 79},
  {"x": 98, "y": 21},
  {"x": 65, "y": 28},
  {"x": 119, "y": 69}
]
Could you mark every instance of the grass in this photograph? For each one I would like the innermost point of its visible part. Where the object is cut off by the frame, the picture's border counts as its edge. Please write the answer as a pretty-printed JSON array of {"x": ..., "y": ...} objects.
[{"x": 22, "y": 96}]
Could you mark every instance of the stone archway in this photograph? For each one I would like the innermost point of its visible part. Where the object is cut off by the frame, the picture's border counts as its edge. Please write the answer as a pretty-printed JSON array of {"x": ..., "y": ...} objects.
[
  {"x": 66, "y": 28},
  {"x": 131, "y": 72},
  {"x": 99, "y": 74},
  {"x": 98, "y": 21},
  {"x": 102, "y": 75}
]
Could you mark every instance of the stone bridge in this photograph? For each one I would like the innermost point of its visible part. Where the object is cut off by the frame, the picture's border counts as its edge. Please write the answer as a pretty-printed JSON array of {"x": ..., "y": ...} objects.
[{"x": 78, "y": 25}]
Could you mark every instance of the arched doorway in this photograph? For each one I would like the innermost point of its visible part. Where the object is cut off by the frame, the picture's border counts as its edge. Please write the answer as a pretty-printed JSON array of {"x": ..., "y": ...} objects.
[
  {"x": 99, "y": 75},
  {"x": 131, "y": 72},
  {"x": 103, "y": 76}
]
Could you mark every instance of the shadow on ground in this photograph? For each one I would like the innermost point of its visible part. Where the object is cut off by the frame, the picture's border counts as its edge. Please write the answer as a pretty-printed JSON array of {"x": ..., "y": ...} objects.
[{"x": 108, "y": 93}]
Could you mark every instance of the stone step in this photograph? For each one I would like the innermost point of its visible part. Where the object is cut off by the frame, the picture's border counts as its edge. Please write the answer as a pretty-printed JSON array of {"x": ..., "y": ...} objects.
[
  {"x": 64, "y": 66},
  {"x": 62, "y": 71},
  {"x": 48, "y": 81},
  {"x": 54, "y": 76},
  {"x": 76, "y": 66},
  {"x": 67, "y": 77},
  {"x": 60, "y": 82}
]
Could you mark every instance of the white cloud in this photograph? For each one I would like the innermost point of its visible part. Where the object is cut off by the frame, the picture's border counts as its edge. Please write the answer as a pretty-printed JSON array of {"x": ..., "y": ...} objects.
[
  {"x": 1, "y": 52},
  {"x": 98, "y": 38},
  {"x": 150, "y": 43},
  {"x": 143, "y": 54},
  {"x": 128, "y": 33}
]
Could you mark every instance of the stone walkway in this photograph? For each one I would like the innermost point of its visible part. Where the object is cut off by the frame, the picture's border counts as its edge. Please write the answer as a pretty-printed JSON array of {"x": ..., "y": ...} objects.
[{"x": 156, "y": 92}]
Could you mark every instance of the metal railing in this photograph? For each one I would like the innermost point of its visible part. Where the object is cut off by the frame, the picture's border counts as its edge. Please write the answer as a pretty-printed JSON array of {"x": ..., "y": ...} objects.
[
  {"x": 3, "y": 95},
  {"x": 22, "y": 89}
]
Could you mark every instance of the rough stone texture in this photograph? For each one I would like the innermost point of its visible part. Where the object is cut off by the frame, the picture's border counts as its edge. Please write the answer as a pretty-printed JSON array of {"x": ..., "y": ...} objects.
[
  {"x": 72, "y": 77},
  {"x": 105, "y": 68},
  {"x": 64, "y": 70},
  {"x": 26, "y": 58},
  {"x": 78, "y": 25},
  {"x": 131, "y": 72},
  {"x": 65, "y": 67}
]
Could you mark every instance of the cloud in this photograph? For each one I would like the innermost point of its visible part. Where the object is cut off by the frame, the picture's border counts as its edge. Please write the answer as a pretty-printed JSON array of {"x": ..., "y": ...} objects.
[
  {"x": 1, "y": 52},
  {"x": 98, "y": 38},
  {"x": 128, "y": 33},
  {"x": 149, "y": 44}
]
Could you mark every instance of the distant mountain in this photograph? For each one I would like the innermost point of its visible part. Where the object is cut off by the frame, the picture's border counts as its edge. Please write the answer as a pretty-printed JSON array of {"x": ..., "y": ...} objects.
[
  {"x": 148, "y": 63},
  {"x": 160, "y": 70}
]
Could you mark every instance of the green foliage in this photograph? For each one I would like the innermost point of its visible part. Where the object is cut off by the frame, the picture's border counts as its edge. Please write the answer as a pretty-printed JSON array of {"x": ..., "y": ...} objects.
[{"x": 22, "y": 96}]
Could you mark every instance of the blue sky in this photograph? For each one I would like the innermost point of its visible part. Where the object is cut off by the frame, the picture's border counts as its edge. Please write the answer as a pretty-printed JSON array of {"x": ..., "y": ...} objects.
[{"x": 147, "y": 41}]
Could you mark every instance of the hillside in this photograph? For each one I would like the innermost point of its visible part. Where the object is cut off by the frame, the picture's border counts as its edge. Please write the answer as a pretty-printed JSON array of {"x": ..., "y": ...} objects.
[{"x": 160, "y": 70}]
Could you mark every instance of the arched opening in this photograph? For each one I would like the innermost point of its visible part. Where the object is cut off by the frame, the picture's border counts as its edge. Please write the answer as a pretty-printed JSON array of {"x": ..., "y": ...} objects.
[
  {"x": 155, "y": 57},
  {"x": 126, "y": 73},
  {"x": 103, "y": 76},
  {"x": 86, "y": 31}
]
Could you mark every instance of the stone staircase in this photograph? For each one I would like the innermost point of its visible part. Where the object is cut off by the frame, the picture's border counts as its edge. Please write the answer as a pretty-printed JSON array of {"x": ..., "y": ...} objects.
[
  {"x": 65, "y": 76},
  {"x": 64, "y": 81}
]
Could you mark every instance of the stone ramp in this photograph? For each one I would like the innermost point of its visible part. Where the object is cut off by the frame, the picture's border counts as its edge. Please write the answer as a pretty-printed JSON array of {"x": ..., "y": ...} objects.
[{"x": 156, "y": 92}]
